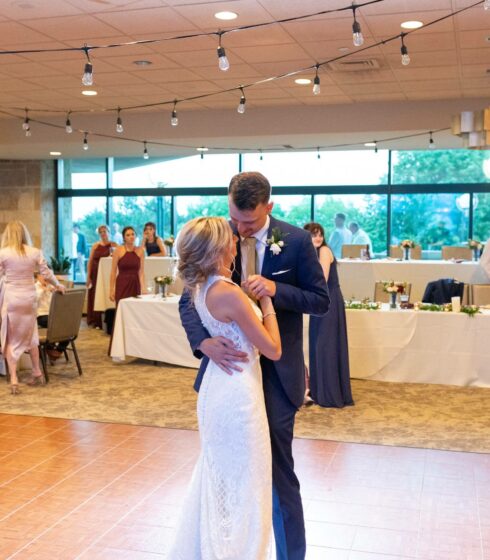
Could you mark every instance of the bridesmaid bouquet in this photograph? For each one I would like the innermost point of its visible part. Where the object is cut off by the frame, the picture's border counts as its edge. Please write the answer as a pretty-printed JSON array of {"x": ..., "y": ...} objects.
[
  {"x": 407, "y": 244},
  {"x": 475, "y": 245}
]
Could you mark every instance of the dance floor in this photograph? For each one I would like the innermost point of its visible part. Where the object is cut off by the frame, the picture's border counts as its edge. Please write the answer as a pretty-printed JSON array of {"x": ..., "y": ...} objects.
[{"x": 92, "y": 491}]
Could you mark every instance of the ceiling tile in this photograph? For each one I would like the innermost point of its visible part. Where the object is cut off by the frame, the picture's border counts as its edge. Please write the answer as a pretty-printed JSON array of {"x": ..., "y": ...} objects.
[{"x": 83, "y": 27}]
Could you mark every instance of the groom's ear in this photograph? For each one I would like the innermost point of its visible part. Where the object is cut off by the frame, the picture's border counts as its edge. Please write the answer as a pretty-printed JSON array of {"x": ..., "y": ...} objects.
[{"x": 270, "y": 206}]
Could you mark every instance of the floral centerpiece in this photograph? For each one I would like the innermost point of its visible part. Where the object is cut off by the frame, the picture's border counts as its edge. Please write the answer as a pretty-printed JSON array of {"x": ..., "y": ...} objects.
[
  {"x": 364, "y": 304},
  {"x": 393, "y": 288},
  {"x": 406, "y": 245},
  {"x": 161, "y": 284},
  {"x": 476, "y": 247},
  {"x": 169, "y": 243}
]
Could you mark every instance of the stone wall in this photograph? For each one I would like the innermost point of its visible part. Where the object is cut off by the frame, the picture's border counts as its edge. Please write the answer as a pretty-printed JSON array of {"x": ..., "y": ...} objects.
[{"x": 27, "y": 193}]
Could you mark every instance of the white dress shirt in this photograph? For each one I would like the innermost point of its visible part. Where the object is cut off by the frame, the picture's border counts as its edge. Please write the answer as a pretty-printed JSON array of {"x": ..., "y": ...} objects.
[
  {"x": 485, "y": 258},
  {"x": 261, "y": 237}
]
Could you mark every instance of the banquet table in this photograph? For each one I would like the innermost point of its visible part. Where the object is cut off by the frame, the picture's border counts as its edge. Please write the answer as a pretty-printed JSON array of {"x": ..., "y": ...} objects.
[
  {"x": 357, "y": 277},
  {"x": 154, "y": 266},
  {"x": 386, "y": 345}
]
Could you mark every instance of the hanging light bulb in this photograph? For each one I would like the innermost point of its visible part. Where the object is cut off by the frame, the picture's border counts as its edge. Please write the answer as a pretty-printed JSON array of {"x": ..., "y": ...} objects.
[
  {"x": 26, "y": 126},
  {"x": 146, "y": 155},
  {"x": 432, "y": 144},
  {"x": 223, "y": 62},
  {"x": 357, "y": 36},
  {"x": 318, "y": 156},
  {"x": 68, "y": 127},
  {"x": 119, "y": 124},
  {"x": 85, "y": 141},
  {"x": 88, "y": 74},
  {"x": 261, "y": 155},
  {"x": 486, "y": 5},
  {"x": 375, "y": 146},
  {"x": 174, "y": 121},
  {"x": 241, "y": 105},
  {"x": 316, "y": 82},
  {"x": 404, "y": 51}
]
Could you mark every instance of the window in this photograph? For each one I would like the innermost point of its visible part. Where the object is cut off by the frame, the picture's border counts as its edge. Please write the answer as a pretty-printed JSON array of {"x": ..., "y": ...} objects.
[
  {"x": 438, "y": 166},
  {"x": 189, "y": 207},
  {"x": 481, "y": 224},
  {"x": 295, "y": 209},
  {"x": 84, "y": 174},
  {"x": 193, "y": 171},
  {"x": 333, "y": 168},
  {"x": 368, "y": 211},
  {"x": 135, "y": 211},
  {"x": 432, "y": 220},
  {"x": 88, "y": 213}
]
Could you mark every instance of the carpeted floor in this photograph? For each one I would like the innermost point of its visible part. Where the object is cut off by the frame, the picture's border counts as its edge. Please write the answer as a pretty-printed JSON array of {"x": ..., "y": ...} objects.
[{"x": 138, "y": 392}]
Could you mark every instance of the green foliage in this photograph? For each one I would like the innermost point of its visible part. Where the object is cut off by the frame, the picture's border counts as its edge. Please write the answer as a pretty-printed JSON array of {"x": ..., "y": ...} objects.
[{"x": 60, "y": 265}]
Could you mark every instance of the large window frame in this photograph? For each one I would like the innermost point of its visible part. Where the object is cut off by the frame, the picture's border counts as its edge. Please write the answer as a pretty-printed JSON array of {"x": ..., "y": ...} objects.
[{"x": 387, "y": 189}]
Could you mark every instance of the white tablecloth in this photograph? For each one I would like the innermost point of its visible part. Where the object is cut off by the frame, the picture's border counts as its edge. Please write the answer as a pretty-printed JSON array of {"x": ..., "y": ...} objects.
[
  {"x": 405, "y": 346},
  {"x": 357, "y": 278},
  {"x": 154, "y": 266}
]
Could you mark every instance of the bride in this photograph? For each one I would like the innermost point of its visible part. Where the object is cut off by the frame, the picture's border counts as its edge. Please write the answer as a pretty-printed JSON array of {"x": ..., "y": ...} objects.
[{"x": 227, "y": 514}]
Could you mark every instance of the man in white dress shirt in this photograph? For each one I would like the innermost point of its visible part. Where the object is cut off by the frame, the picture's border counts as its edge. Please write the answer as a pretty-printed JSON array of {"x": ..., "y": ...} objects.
[
  {"x": 485, "y": 259},
  {"x": 340, "y": 236},
  {"x": 360, "y": 237}
]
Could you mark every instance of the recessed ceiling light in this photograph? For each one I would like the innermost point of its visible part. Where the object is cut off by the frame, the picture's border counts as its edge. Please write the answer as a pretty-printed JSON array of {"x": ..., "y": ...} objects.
[
  {"x": 202, "y": 149},
  {"x": 142, "y": 62},
  {"x": 89, "y": 92},
  {"x": 302, "y": 81},
  {"x": 370, "y": 144},
  {"x": 54, "y": 153},
  {"x": 226, "y": 15},
  {"x": 411, "y": 24}
]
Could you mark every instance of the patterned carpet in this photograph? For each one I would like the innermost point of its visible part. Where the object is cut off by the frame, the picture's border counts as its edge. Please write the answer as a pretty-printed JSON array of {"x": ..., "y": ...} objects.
[{"x": 138, "y": 392}]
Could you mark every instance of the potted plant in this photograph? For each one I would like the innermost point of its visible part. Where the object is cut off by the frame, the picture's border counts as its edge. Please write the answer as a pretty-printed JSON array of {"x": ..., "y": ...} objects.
[{"x": 61, "y": 266}]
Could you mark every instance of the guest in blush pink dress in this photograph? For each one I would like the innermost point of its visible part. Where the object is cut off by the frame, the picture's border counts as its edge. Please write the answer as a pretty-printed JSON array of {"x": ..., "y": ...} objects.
[{"x": 18, "y": 305}]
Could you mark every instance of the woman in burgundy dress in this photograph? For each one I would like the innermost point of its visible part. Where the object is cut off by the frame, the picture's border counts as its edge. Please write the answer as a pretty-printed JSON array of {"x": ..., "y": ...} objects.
[
  {"x": 100, "y": 249},
  {"x": 127, "y": 274}
]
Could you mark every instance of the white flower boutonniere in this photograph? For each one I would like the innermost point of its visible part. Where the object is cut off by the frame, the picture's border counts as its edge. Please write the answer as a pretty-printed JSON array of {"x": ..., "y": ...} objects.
[{"x": 276, "y": 242}]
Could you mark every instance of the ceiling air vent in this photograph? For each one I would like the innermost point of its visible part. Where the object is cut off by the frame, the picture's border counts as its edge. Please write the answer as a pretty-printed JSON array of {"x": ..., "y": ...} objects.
[{"x": 354, "y": 65}]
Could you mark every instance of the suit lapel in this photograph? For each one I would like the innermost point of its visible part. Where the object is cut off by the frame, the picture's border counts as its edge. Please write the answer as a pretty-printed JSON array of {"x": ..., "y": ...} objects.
[{"x": 268, "y": 264}]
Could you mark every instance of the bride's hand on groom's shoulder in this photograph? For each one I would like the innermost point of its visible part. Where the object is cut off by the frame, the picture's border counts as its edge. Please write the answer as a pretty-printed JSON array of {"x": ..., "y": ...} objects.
[
  {"x": 223, "y": 353},
  {"x": 259, "y": 287}
]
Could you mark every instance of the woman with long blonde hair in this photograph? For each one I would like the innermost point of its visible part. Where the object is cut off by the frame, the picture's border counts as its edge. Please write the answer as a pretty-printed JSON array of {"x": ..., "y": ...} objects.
[
  {"x": 18, "y": 328},
  {"x": 228, "y": 511}
]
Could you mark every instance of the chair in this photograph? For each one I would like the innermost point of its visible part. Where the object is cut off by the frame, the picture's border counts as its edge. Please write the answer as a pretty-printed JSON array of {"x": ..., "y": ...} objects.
[
  {"x": 352, "y": 251},
  {"x": 466, "y": 300},
  {"x": 65, "y": 315},
  {"x": 454, "y": 252},
  {"x": 480, "y": 294},
  {"x": 441, "y": 291},
  {"x": 68, "y": 284},
  {"x": 396, "y": 252},
  {"x": 384, "y": 297}
]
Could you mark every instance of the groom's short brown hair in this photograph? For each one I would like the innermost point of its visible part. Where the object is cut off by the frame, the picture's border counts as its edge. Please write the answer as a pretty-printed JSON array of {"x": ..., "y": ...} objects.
[{"x": 249, "y": 189}]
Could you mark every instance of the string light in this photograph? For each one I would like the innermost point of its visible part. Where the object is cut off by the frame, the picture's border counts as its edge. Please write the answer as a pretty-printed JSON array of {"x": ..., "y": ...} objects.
[
  {"x": 68, "y": 127},
  {"x": 241, "y": 105},
  {"x": 85, "y": 141},
  {"x": 432, "y": 144},
  {"x": 26, "y": 126},
  {"x": 223, "y": 62},
  {"x": 119, "y": 124},
  {"x": 486, "y": 5},
  {"x": 318, "y": 156},
  {"x": 316, "y": 82},
  {"x": 174, "y": 120},
  {"x": 375, "y": 146},
  {"x": 404, "y": 51},
  {"x": 261, "y": 155},
  {"x": 146, "y": 155},
  {"x": 357, "y": 36},
  {"x": 88, "y": 74}
]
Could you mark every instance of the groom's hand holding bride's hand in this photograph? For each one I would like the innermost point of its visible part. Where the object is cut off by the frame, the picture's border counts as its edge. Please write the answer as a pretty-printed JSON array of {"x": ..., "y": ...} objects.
[
  {"x": 259, "y": 287},
  {"x": 223, "y": 353}
]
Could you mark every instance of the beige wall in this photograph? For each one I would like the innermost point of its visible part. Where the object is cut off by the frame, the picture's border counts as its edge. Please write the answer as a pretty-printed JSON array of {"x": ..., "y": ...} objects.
[{"x": 27, "y": 193}]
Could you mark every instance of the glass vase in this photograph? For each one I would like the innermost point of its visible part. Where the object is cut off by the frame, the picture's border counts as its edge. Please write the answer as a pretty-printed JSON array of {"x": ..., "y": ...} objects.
[
  {"x": 393, "y": 300},
  {"x": 406, "y": 253},
  {"x": 476, "y": 255}
]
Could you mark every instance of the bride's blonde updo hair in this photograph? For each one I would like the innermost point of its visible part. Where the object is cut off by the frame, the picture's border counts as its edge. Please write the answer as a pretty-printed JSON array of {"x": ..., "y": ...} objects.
[{"x": 202, "y": 245}]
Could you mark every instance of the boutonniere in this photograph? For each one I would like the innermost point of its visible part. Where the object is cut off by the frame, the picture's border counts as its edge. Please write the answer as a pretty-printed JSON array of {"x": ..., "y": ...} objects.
[{"x": 276, "y": 242}]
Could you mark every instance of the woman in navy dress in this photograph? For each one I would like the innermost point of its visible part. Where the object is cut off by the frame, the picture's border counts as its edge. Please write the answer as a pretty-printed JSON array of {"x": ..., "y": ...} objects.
[
  {"x": 329, "y": 353},
  {"x": 151, "y": 242}
]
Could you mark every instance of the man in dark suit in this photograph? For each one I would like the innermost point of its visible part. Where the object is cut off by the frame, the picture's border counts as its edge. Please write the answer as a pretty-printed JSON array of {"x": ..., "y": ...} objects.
[{"x": 277, "y": 259}]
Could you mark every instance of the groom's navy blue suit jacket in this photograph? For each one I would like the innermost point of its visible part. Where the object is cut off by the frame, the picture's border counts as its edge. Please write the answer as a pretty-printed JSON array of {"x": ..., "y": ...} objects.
[{"x": 300, "y": 288}]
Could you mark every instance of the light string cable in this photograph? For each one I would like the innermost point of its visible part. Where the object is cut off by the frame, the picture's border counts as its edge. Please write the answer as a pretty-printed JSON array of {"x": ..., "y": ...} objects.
[{"x": 269, "y": 79}]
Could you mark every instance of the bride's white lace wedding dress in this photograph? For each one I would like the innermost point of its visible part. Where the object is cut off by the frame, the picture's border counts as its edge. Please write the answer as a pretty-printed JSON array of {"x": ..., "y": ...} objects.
[{"x": 227, "y": 514}]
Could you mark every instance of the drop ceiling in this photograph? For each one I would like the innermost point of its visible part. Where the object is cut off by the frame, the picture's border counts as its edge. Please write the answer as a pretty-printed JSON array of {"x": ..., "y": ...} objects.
[{"x": 449, "y": 72}]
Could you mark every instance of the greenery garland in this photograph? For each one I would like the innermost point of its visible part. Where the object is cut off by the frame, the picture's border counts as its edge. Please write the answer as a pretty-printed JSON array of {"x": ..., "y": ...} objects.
[
  {"x": 470, "y": 310},
  {"x": 368, "y": 305}
]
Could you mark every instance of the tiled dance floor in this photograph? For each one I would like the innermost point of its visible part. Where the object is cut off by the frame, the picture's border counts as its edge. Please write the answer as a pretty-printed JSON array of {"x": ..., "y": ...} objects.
[{"x": 75, "y": 489}]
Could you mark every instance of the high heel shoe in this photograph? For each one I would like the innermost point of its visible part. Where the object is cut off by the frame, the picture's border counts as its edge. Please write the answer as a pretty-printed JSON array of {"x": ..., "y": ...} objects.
[
  {"x": 35, "y": 380},
  {"x": 14, "y": 389}
]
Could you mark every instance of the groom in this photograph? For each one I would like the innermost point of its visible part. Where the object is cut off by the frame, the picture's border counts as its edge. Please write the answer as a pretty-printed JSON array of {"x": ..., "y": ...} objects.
[{"x": 276, "y": 259}]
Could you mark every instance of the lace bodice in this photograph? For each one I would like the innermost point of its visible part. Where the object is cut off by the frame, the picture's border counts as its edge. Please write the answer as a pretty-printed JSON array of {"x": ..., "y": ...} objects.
[{"x": 217, "y": 328}]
